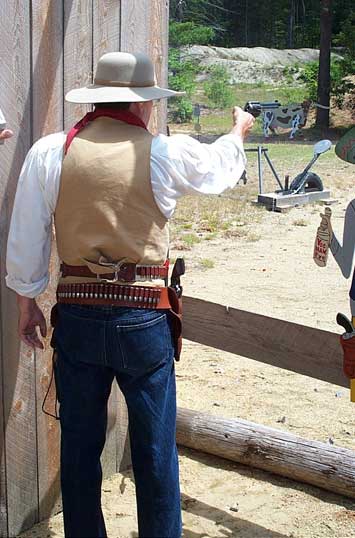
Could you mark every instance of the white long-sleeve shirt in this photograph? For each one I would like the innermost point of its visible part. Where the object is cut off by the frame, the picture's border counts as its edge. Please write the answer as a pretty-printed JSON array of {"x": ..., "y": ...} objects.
[
  {"x": 180, "y": 165},
  {"x": 344, "y": 254}
]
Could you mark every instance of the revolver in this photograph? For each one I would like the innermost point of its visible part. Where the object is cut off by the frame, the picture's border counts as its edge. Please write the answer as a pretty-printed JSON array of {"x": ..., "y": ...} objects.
[{"x": 255, "y": 108}]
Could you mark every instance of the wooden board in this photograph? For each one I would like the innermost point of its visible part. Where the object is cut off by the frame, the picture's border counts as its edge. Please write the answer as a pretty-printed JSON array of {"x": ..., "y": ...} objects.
[
  {"x": 145, "y": 29},
  {"x": 47, "y": 71},
  {"x": 78, "y": 58},
  {"x": 106, "y": 38},
  {"x": 18, "y": 365},
  {"x": 135, "y": 25},
  {"x": 158, "y": 50},
  {"x": 277, "y": 451},
  {"x": 47, "y": 103},
  {"x": 294, "y": 347},
  {"x": 3, "y": 493},
  {"x": 106, "y": 27}
]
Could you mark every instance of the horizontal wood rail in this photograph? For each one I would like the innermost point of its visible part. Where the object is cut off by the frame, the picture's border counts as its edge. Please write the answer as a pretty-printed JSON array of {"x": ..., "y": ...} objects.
[{"x": 298, "y": 348}]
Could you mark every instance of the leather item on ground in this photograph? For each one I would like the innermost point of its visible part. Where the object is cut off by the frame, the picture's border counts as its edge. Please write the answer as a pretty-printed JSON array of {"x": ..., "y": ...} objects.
[
  {"x": 127, "y": 272},
  {"x": 114, "y": 295}
]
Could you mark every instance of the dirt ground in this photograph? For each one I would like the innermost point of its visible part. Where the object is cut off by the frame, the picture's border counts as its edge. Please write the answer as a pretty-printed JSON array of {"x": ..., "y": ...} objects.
[{"x": 270, "y": 271}]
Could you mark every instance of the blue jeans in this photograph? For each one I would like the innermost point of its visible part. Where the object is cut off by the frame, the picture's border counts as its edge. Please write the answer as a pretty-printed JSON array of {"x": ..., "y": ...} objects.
[{"x": 93, "y": 346}]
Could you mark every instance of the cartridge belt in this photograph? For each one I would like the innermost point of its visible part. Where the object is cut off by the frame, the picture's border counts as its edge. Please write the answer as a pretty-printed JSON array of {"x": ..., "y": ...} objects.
[
  {"x": 114, "y": 295},
  {"x": 126, "y": 272}
]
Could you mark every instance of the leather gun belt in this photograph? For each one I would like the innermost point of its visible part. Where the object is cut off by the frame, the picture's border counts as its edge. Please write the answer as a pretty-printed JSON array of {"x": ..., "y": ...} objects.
[
  {"x": 114, "y": 295},
  {"x": 126, "y": 272}
]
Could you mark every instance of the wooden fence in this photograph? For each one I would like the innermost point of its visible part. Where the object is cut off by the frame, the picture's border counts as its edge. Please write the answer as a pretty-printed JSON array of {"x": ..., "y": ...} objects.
[{"x": 48, "y": 47}]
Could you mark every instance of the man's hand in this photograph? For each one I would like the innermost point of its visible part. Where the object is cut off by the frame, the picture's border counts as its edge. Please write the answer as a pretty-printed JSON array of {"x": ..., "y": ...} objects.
[
  {"x": 5, "y": 133},
  {"x": 30, "y": 318},
  {"x": 242, "y": 122}
]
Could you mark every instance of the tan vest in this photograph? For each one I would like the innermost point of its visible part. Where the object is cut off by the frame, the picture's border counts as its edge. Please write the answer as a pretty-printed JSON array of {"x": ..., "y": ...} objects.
[{"x": 106, "y": 210}]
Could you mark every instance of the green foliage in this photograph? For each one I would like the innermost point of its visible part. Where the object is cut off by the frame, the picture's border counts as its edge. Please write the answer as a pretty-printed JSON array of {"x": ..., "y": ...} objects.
[
  {"x": 182, "y": 73},
  {"x": 340, "y": 85},
  {"x": 182, "y": 111},
  {"x": 309, "y": 75},
  {"x": 290, "y": 72},
  {"x": 275, "y": 23},
  {"x": 182, "y": 78},
  {"x": 218, "y": 89},
  {"x": 189, "y": 33}
]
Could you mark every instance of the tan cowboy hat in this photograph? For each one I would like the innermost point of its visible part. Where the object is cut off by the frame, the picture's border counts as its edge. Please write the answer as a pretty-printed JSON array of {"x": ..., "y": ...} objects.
[{"x": 121, "y": 77}]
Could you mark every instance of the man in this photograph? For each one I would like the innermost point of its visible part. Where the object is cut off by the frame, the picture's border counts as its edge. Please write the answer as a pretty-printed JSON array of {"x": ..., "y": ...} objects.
[{"x": 111, "y": 198}]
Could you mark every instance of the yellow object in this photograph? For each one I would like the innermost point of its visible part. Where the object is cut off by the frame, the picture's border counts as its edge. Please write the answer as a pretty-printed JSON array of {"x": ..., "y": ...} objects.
[
  {"x": 352, "y": 381},
  {"x": 352, "y": 390}
]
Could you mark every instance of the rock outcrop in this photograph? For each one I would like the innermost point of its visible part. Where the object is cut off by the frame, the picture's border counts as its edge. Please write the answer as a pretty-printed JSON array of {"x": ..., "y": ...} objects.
[{"x": 252, "y": 65}]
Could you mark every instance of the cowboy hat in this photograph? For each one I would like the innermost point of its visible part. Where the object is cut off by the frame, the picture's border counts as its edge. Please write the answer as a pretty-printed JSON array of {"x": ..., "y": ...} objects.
[{"x": 121, "y": 77}]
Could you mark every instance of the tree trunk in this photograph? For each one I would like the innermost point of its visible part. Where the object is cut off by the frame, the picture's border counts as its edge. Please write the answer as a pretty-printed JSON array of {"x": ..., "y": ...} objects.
[
  {"x": 279, "y": 452},
  {"x": 291, "y": 24},
  {"x": 246, "y": 23},
  {"x": 324, "y": 64}
]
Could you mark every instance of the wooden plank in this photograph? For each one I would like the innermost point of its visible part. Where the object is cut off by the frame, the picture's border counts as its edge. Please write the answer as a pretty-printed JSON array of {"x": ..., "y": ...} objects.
[
  {"x": 135, "y": 24},
  {"x": 18, "y": 365},
  {"x": 279, "y": 452},
  {"x": 304, "y": 350},
  {"x": 106, "y": 38},
  {"x": 106, "y": 27},
  {"x": 158, "y": 51},
  {"x": 47, "y": 61},
  {"x": 3, "y": 493},
  {"x": 47, "y": 90},
  {"x": 144, "y": 28},
  {"x": 78, "y": 60}
]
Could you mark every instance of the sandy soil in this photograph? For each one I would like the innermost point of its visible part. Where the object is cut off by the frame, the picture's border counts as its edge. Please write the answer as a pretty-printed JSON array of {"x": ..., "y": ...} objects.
[{"x": 272, "y": 274}]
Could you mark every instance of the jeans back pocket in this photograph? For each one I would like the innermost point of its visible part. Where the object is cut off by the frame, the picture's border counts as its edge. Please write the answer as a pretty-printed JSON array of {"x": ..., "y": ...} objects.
[{"x": 144, "y": 345}]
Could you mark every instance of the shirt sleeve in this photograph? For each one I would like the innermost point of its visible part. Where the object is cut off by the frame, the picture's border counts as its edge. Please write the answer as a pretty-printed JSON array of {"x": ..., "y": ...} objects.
[
  {"x": 344, "y": 254},
  {"x": 29, "y": 241},
  {"x": 181, "y": 165}
]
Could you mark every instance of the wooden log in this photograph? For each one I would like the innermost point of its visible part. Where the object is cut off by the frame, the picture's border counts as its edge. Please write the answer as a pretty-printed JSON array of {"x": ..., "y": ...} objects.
[
  {"x": 265, "y": 448},
  {"x": 305, "y": 350}
]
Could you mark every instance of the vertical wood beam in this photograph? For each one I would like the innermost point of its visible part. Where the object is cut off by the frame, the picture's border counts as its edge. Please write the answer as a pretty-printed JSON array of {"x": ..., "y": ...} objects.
[
  {"x": 106, "y": 38},
  {"x": 78, "y": 54},
  {"x": 145, "y": 29},
  {"x": 18, "y": 364},
  {"x": 47, "y": 90}
]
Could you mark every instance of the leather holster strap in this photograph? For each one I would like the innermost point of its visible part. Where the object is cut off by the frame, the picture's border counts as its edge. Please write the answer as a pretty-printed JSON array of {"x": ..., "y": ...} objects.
[
  {"x": 114, "y": 295},
  {"x": 128, "y": 272}
]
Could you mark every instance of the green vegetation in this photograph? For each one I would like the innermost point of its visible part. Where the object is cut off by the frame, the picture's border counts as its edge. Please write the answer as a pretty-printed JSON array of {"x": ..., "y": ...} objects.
[
  {"x": 190, "y": 239},
  {"x": 182, "y": 78},
  {"x": 189, "y": 33},
  {"x": 340, "y": 85},
  {"x": 218, "y": 89},
  {"x": 276, "y": 23},
  {"x": 206, "y": 263}
]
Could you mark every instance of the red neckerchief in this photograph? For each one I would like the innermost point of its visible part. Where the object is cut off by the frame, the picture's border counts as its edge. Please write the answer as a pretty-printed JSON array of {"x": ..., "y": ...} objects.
[{"x": 121, "y": 115}]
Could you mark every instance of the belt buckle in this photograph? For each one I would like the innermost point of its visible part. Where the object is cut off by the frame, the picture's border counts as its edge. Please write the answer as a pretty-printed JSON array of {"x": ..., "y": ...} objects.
[{"x": 118, "y": 267}]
